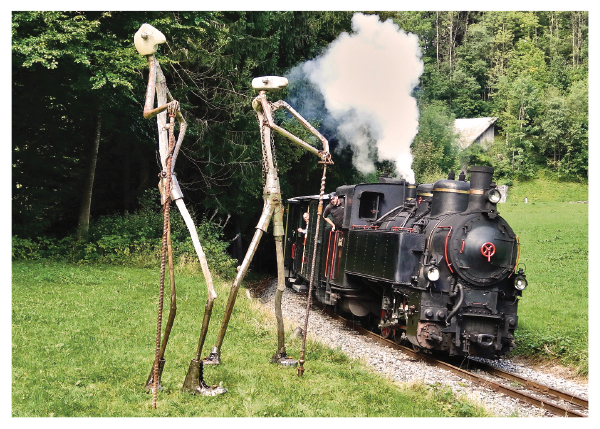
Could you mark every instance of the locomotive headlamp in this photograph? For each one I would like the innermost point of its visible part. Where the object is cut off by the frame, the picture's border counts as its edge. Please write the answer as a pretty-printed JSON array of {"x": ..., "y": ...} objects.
[
  {"x": 520, "y": 281},
  {"x": 432, "y": 273},
  {"x": 494, "y": 196}
]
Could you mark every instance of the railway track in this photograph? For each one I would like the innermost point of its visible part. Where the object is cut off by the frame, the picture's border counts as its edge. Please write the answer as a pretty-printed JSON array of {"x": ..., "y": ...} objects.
[{"x": 552, "y": 400}]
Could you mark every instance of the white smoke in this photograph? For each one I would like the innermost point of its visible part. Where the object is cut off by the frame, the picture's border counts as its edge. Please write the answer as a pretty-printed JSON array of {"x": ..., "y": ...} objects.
[{"x": 366, "y": 79}]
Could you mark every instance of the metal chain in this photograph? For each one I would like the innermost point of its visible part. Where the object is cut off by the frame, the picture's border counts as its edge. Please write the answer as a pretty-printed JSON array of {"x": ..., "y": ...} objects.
[
  {"x": 265, "y": 167},
  {"x": 261, "y": 127},
  {"x": 273, "y": 153}
]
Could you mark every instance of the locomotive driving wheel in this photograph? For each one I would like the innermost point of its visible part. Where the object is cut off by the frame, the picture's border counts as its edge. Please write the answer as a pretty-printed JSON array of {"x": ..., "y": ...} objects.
[{"x": 387, "y": 332}]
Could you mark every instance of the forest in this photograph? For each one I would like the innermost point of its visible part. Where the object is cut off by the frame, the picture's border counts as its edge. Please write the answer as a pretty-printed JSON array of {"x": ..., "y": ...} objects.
[{"x": 84, "y": 161}]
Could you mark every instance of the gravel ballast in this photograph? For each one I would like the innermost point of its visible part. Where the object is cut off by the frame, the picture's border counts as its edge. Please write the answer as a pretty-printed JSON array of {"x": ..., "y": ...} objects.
[{"x": 404, "y": 369}]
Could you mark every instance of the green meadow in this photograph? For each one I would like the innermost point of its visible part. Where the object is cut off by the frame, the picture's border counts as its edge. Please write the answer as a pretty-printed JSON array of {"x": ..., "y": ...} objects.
[
  {"x": 83, "y": 340},
  {"x": 553, "y": 230}
]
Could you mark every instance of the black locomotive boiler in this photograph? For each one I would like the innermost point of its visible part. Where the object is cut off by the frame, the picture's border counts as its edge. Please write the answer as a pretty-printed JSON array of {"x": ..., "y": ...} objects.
[{"x": 434, "y": 264}]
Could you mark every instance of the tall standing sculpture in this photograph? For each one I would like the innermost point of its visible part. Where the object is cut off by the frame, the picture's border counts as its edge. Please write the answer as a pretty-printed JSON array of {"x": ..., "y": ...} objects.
[
  {"x": 272, "y": 209},
  {"x": 146, "y": 42}
]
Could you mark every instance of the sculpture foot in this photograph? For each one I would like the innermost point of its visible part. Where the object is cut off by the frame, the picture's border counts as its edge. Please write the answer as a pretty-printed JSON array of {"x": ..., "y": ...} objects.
[
  {"x": 194, "y": 381},
  {"x": 213, "y": 358},
  {"x": 206, "y": 390},
  {"x": 150, "y": 382},
  {"x": 282, "y": 359}
]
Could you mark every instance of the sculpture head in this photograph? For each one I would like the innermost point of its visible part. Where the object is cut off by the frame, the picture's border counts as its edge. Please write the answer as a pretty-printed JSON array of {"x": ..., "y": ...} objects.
[
  {"x": 147, "y": 39},
  {"x": 269, "y": 83}
]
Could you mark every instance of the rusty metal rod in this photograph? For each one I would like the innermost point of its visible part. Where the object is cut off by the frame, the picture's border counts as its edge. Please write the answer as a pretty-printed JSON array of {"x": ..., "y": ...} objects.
[
  {"x": 173, "y": 308},
  {"x": 261, "y": 103},
  {"x": 272, "y": 205},
  {"x": 172, "y": 313},
  {"x": 312, "y": 272},
  {"x": 166, "y": 208}
]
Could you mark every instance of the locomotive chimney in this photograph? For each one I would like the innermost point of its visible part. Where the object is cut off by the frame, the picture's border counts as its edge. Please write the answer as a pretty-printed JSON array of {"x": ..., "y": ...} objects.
[{"x": 481, "y": 179}]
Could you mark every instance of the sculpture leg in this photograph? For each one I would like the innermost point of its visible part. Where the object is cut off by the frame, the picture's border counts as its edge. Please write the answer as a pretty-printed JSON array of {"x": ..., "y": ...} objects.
[
  {"x": 194, "y": 381},
  {"x": 215, "y": 354},
  {"x": 172, "y": 313},
  {"x": 280, "y": 357}
]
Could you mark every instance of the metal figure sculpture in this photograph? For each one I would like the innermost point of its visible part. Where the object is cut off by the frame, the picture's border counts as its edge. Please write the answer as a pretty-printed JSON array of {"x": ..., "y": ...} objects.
[
  {"x": 146, "y": 42},
  {"x": 272, "y": 209}
]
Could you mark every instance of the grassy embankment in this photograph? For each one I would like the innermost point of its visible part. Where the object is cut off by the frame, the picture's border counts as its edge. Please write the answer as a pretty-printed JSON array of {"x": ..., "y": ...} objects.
[
  {"x": 553, "y": 231},
  {"x": 83, "y": 345}
]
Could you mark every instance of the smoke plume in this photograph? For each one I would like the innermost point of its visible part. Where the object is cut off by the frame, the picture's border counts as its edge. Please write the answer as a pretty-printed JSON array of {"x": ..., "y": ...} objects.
[{"x": 364, "y": 82}]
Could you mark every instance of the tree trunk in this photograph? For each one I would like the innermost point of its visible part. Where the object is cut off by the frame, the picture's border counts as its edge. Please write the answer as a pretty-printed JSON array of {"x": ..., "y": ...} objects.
[
  {"x": 126, "y": 180},
  {"x": 451, "y": 40},
  {"x": 86, "y": 201},
  {"x": 437, "y": 39}
]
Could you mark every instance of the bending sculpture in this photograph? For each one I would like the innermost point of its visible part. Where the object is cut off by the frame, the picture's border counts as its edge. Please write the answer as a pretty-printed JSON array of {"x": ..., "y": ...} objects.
[
  {"x": 272, "y": 209},
  {"x": 146, "y": 42}
]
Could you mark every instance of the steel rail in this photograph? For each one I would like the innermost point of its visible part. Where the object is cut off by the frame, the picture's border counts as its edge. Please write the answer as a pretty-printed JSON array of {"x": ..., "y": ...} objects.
[
  {"x": 497, "y": 387},
  {"x": 565, "y": 396}
]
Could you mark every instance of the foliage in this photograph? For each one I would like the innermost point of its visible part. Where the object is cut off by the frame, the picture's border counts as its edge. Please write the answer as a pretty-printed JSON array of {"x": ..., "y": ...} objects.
[
  {"x": 68, "y": 67},
  {"x": 551, "y": 346},
  {"x": 518, "y": 66},
  {"x": 564, "y": 126},
  {"x": 477, "y": 155},
  {"x": 133, "y": 239},
  {"x": 83, "y": 59},
  {"x": 522, "y": 67},
  {"x": 529, "y": 69},
  {"x": 434, "y": 147}
]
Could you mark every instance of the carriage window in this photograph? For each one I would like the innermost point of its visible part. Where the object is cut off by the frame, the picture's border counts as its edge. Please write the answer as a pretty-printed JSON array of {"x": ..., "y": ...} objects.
[{"x": 369, "y": 205}]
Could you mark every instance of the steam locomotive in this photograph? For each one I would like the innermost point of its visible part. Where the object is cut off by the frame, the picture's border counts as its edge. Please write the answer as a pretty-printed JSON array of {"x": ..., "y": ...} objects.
[{"x": 433, "y": 264}]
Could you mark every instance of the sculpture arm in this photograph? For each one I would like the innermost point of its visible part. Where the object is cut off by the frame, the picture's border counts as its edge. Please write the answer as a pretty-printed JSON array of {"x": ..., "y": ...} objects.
[
  {"x": 154, "y": 72},
  {"x": 261, "y": 103}
]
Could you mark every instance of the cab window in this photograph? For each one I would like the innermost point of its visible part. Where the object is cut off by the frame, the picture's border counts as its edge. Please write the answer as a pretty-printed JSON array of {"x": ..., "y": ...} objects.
[{"x": 369, "y": 205}]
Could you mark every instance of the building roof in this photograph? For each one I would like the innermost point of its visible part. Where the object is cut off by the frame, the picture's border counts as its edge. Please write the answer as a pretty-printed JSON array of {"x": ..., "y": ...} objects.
[{"x": 471, "y": 129}]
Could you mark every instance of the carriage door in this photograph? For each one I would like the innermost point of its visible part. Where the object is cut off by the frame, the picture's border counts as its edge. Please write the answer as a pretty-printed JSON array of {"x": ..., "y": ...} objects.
[{"x": 335, "y": 244}]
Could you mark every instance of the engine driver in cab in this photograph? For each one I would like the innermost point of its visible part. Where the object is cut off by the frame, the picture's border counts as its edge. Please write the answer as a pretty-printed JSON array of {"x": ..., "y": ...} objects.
[{"x": 335, "y": 208}]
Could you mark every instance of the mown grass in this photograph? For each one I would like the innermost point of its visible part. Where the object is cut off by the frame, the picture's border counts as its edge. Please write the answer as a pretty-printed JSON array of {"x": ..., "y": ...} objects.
[
  {"x": 547, "y": 190},
  {"x": 553, "y": 231},
  {"x": 83, "y": 345}
]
